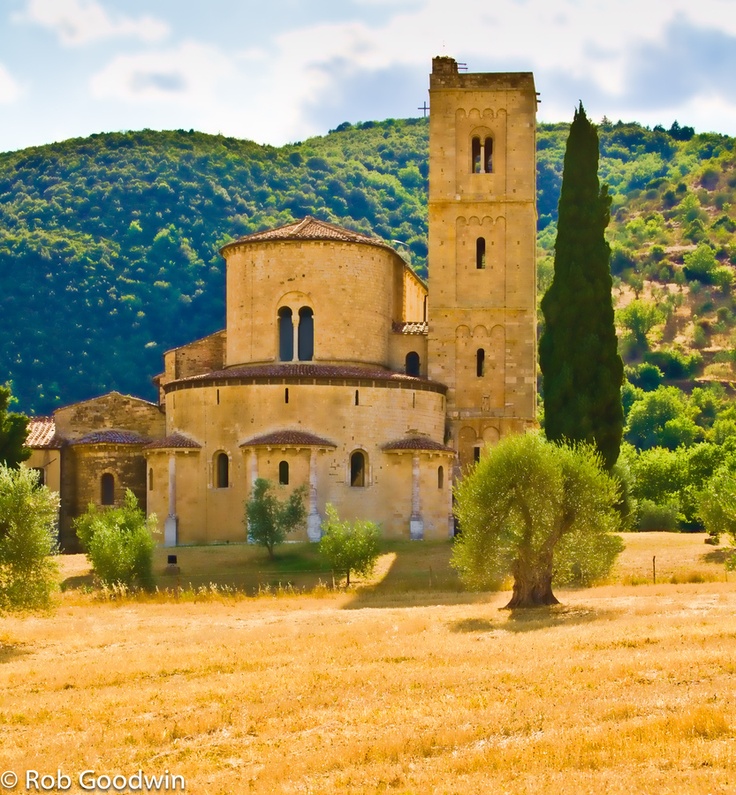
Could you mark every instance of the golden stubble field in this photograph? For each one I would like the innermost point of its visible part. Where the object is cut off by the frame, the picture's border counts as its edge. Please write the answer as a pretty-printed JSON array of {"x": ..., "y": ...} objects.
[{"x": 623, "y": 689}]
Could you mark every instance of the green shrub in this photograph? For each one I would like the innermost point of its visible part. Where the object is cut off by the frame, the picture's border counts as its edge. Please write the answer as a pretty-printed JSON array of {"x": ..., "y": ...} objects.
[
  {"x": 675, "y": 364},
  {"x": 646, "y": 376},
  {"x": 119, "y": 543},
  {"x": 28, "y": 514},
  {"x": 657, "y": 517}
]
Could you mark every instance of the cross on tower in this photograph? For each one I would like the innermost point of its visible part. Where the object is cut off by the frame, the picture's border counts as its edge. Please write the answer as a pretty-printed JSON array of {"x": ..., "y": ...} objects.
[{"x": 424, "y": 108}]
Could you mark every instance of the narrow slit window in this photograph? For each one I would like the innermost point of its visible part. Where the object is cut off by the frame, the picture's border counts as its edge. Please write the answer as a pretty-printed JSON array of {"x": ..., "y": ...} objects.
[
  {"x": 283, "y": 473},
  {"x": 357, "y": 397},
  {"x": 306, "y": 334},
  {"x": 440, "y": 477},
  {"x": 357, "y": 469},
  {"x": 150, "y": 478},
  {"x": 286, "y": 335},
  {"x": 412, "y": 364},
  {"x": 480, "y": 253},
  {"x": 286, "y": 395},
  {"x": 218, "y": 397},
  {"x": 476, "y": 162},
  {"x": 107, "y": 489},
  {"x": 488, "y": 156},
  {"x": 222, "y": 466},
  {"x": 480, "y": 363}
]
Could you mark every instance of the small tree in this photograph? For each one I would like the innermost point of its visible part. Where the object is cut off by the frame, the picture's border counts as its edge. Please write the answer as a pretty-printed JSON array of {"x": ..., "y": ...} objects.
[
  {"x": 13, "y": 431},
  {"x": 28, "y": 572},
  {"x": 268, "y": 519},
  {"x": 540, "y": 512},
  {"x": 350, "y": 547},
  {"x": 119, "y": 542},
  {"x": 717, "y": 507},
  {"x": 638, "y": 318}
]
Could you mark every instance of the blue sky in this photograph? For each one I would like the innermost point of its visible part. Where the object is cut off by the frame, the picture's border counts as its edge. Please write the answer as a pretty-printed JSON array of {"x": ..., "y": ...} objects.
[{"x": 282, "y": 70}]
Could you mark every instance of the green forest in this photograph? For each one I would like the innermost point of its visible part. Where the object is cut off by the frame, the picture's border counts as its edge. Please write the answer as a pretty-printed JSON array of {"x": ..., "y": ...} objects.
[{"x": 109, "y": 249}]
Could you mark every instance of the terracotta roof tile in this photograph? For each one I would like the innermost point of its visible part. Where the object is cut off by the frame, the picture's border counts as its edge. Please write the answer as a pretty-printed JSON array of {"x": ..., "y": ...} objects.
[
  {"x": 287, "y": 438},
  {"x": 417, "y": 443},
  {"x": 310, "y": 229},
  {"x": 42, "y": 433},
  {"x": 418, "y": 327},
  {"x": 286, "y": 370},
  {"x": 173, "y": 441},
  {"x": 110, "y": 437}
]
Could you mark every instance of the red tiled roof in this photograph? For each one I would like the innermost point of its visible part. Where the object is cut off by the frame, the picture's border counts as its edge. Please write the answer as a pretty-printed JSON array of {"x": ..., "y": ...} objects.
[
  {"x": 309, "y": 229},
  {"x": 305, "y": 370},
  {"x": 42, "y": 433},
  {"x": 417, "y": 443},
  {"x": 288, "y": 438},
  {"x": 173, "y": 441},
  {"x": 418, "y": 327},
  {"x": 111, "y": 437}
]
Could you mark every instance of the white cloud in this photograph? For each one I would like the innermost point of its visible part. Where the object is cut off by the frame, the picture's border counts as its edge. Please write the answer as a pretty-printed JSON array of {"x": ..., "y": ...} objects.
[
  {"x": 188, "y": 75},
  {"x": 588, "y": 45},
  {"x": 78, "y": 22},
  {"x": 9, "y": 87}
]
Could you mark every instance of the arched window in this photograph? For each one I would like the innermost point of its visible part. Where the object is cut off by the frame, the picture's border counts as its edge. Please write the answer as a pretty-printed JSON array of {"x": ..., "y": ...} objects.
[
  {"x": 283, "y": 473},
  {"x": 481, "y": 154},
  {"x": 488, "y": 156},
  {"x": 480, "y": 253},
  {"x": 480, "y": 363},
  {"x": 306, "y": 334},
  {"x": 440, "y": 477},
  {"x": 286, "y": 335},
  {"x": 357, "y": 469},
  {"x": 412, "y": 363},
  {"x": 476, "y": 163},
  {"x": 222, "y": 471},
  {"x": 107, "y": 489},
  {"x": 150, "y": 478}
]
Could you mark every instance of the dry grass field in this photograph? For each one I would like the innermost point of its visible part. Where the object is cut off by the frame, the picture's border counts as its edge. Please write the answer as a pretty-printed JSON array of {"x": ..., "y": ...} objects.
[{"x": 625, "y": 688}]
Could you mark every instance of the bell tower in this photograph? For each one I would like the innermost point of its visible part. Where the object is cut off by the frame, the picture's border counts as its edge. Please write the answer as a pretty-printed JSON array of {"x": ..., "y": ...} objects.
[{"x": 482, "y": 252}]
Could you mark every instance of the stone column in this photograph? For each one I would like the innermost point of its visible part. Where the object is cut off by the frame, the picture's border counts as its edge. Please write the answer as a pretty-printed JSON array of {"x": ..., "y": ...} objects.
[
  {"x": 416, "y": 523},
  {"x": 314, "y": 520},
  {"x": 253, "y": 466},
  {"x": 171, "y": 525},
  {"x": 450, "y": 504},
  {"x": 253, "y": 478}
]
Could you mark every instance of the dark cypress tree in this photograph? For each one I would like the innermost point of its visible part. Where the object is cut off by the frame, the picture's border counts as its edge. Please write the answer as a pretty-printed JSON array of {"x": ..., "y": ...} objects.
[{"x": 578, "y": 353}]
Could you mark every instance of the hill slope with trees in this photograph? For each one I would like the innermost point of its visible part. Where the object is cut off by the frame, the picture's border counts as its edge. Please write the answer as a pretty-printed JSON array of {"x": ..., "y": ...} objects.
[{"x": 109, "y": 244}]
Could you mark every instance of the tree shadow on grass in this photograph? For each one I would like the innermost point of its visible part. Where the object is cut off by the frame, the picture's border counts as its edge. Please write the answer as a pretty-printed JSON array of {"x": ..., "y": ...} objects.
[
  {"x": 531, "y": 619},
  {"x": 11, "y": 651},
  {"x": 718, "y": 556},
  {"x": 77, "y": 582}
]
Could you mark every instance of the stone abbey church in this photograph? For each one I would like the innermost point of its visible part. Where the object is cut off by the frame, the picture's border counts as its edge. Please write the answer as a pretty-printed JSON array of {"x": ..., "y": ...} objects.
[{"x": 339, "y": 368}]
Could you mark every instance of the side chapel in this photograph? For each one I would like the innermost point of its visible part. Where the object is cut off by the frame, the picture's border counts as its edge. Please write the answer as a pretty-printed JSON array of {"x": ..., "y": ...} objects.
[{"x": 339, "y": 368}]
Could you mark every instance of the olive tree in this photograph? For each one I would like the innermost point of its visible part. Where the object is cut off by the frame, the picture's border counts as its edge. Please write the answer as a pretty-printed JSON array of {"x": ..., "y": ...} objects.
[
  {"x": 717, "y": 507},
  {"x": 538, "y": 511},
  {"x": 28, "y": 515},
  {"x": 350, "y": 547},
  {"x": 268, "y": 519}
]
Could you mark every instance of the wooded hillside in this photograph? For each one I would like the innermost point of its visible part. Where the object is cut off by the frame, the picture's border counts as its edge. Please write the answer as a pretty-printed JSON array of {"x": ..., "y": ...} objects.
[{"x": 109, "y": 244}]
